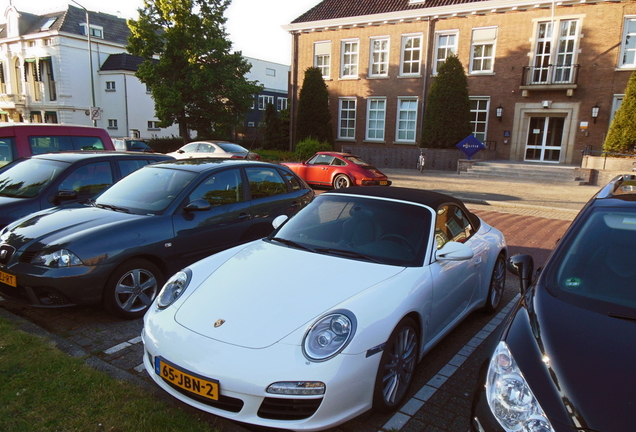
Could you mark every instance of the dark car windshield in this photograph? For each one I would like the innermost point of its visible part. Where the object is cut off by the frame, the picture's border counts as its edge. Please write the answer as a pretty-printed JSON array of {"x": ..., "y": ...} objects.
[
  {"x": 356, "y": 227},
  {"x": 598, "y": 263},
  {"x": 149, "y": 190},
  {"x": 232, "y": 148},
  {"x": 26, "y": 178}
]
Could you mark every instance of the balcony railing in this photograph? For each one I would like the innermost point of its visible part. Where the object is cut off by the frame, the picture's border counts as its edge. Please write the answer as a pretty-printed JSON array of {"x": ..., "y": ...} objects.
[{"x": 550, "y": 75}]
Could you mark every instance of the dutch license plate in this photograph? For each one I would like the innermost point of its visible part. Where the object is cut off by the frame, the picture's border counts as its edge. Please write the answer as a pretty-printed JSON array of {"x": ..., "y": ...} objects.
[
  {"x": 8, "y": 279},
  {"x": 208, "y": 388},
  {"x": 383, "y": 183}
]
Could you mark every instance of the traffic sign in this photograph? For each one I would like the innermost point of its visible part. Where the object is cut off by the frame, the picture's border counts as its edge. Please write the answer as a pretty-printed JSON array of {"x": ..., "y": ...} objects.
[{"x": 96, "y": 113}]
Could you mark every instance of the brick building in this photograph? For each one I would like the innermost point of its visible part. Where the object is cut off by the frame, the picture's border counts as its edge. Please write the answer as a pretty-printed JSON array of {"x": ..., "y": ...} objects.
[{"x": 545, "y": 78}]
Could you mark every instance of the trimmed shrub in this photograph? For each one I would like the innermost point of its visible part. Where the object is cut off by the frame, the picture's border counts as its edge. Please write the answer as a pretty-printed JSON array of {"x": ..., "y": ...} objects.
[
  {"x": 621, "y": 137},
  {"x": 310, "y": 146}
]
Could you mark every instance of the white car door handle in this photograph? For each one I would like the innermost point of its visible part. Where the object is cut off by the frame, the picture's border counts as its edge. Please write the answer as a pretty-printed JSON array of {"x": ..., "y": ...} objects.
[{"x": 478, "y": 261}]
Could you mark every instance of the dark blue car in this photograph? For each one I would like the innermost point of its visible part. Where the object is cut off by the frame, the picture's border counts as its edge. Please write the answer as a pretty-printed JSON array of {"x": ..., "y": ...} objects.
[{"x": 565, "y": 360}]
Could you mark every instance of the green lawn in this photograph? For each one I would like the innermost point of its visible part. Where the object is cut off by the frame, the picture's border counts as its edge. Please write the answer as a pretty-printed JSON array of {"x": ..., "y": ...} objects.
[{"x": 44, "y": 389}]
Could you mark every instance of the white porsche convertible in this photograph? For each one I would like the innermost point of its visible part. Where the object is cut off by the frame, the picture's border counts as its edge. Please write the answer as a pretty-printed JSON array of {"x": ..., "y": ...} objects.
[{"x": 328, "y": 316}]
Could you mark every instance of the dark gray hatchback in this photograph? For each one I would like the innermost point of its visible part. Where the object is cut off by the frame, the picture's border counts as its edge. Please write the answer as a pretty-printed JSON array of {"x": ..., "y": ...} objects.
[
  {"x": 39, "y": 182},
  {"x": 118, "y": 249}
]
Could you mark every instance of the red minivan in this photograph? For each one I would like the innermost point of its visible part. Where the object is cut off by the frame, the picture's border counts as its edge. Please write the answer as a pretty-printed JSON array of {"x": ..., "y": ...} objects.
[{"x": 26, "y": 139}]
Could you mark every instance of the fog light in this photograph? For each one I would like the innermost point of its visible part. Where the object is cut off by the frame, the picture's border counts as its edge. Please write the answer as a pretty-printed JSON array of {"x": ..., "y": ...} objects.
[{"x": 307, "y": 388}]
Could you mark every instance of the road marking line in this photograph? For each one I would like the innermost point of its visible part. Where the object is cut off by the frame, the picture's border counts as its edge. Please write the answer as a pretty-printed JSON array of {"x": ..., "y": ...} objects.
[
  {"x": 409, "y": 409},
  {"x": 123, "y": 345}
]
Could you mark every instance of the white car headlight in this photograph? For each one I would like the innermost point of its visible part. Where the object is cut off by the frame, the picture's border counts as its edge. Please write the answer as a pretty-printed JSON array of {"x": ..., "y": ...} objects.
[
  {"x": 173, "y": 288},
  {"x": 510, "y": 399},
  {"x": 329, "y": 335},
  {"x": 59, "y": 258}
]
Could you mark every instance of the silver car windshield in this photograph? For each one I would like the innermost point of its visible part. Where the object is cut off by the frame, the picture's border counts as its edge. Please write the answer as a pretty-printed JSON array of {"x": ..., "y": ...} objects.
[
  {"x": 364, "y": 228},
  {"x": 149, "y": 190},
  {"x": 599, "y": 263},
  {"x": 26, "y": 178}
]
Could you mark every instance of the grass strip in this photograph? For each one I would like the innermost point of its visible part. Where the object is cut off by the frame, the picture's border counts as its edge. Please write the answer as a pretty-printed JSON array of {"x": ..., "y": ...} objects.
[{"x": 43, "y": 389}]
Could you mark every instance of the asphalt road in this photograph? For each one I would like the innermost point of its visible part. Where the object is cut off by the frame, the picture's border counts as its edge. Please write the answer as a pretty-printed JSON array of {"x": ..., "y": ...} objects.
[{"x": 442, "y": 389}]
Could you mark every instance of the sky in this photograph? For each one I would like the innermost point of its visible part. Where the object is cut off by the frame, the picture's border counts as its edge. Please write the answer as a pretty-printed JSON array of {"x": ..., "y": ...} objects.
[{"x": 254, "y": 26}]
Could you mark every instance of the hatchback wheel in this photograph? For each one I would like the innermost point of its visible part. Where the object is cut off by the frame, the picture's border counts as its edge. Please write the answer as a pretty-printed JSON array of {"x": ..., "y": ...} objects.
[
  {"x": 131, "y": 288},
  {"x": 397, "y": 366}
]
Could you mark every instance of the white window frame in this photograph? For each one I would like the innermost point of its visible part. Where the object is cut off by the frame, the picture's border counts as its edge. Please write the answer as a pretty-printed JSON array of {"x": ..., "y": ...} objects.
[
  {"x": 547, "y": 53},
  {"x": 153, "y": 125},
  {"x": 347, "y": 124},
  {"x": 263, "y": 100},
  {"x": 111, "y": 86},
  {"x": 281, "y": 103},
  {"x": 622, "y": 64},
  {"x": 322, "y": 57},
  {"x": 112, "y": 124},
  {"x": 449, "y": 48},
  {"x": 376, "y": 119},
  {"x": 480, "y": 39},
  {"x": 381, "y": 61},
  {"x": 403, "y": 54},
  {"x": 475, "y": 120},
  {"x": 96, "y": 31},
  {"x": 349, "y": 58},
  {"x": 410, "y": 121}
]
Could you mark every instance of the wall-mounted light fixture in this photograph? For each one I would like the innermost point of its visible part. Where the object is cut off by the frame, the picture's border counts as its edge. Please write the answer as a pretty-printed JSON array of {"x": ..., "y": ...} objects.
[
  {"x": 595, "y": 110},
  {"x": 499, "y": 112}
]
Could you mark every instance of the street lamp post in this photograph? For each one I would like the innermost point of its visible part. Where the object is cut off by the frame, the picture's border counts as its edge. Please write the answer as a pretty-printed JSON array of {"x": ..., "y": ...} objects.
[{"x": 90, "y": 60}]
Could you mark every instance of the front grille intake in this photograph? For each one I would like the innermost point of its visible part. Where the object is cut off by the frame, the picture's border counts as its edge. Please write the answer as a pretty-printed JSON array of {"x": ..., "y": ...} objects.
[{"x": 288, "y": 409}]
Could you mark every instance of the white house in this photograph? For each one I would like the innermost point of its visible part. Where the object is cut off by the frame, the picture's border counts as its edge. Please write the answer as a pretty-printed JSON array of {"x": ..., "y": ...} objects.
[{"x": 46, "y": 76}]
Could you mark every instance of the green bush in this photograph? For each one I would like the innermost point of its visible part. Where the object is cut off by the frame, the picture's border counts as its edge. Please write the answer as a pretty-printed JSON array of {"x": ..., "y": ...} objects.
[
  {"x": 308, "y": 147},
  {"x": 276, "y": 155}
]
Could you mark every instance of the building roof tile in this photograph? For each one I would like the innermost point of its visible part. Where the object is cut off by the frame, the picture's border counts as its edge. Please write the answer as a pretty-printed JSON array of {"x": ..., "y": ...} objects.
[{"x": 333, "y": 9}]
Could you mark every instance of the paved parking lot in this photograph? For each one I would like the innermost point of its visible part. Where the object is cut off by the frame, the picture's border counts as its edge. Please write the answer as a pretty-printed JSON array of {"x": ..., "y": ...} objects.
[{"x": 442, "y": 391}]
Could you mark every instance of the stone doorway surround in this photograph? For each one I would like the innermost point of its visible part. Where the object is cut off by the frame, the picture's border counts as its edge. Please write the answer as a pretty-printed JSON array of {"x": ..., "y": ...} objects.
[{"x": 521, "y": 123}]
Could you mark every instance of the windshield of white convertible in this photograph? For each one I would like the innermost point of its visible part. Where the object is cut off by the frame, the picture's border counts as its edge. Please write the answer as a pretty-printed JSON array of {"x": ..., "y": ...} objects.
[
  {"x": 361, "y": 228},
  {"x": 599, "y": 262}
]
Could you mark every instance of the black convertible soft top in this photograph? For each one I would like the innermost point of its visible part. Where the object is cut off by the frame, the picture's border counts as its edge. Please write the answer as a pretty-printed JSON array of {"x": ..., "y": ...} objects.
[{"x": 420, "y": 196}]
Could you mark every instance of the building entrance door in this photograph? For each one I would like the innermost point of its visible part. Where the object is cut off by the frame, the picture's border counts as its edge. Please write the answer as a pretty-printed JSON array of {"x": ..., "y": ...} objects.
[{"x": 545, "y": 137}]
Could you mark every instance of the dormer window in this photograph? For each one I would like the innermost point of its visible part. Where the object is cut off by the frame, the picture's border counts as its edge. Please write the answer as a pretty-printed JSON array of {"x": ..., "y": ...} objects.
[
  {"x": 47, "y": 25},
  {"x": 96, "y": 31}
]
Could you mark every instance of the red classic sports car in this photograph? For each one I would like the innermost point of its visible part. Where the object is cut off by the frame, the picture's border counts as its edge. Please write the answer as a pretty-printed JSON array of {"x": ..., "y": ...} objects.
[{"x": 338, "y": 170}]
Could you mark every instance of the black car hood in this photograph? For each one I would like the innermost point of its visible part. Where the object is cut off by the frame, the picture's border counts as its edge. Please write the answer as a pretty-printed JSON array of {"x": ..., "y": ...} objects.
[
  {"x": 61, "y": 226},
  {"x": 590, "y": 360}
]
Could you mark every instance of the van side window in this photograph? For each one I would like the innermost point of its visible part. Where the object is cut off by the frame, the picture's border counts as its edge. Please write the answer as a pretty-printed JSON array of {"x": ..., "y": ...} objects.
[
  {"x": 49, "y": 144},
  {"x": 87, "y": 143},
  {"x": 7, "y": 150}
]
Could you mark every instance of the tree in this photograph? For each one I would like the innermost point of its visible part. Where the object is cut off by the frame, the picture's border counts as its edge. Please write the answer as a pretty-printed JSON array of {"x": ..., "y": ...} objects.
[
  {"x": 313, "y": 119},
  {"x": 447, "y": 116},
  {"x": 276, "y": 133},
  {"x": 194, "y": 78},
  {"x": 621, "y": 136}
]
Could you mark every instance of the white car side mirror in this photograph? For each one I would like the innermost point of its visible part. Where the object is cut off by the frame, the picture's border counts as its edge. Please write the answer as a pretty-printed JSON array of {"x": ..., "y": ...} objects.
[
  {"x": 279, "y": 220},
  {"x": 453, "y": 251}
]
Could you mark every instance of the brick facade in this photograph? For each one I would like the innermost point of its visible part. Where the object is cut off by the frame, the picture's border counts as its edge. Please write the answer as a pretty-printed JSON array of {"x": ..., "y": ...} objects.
[{"x": 595, "y": 77}]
